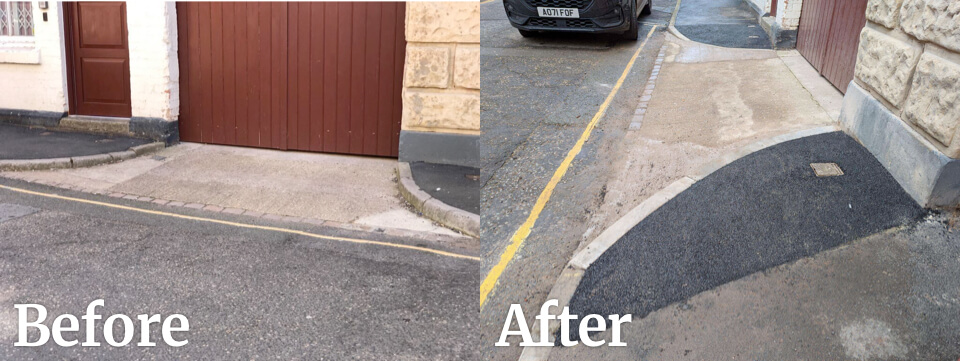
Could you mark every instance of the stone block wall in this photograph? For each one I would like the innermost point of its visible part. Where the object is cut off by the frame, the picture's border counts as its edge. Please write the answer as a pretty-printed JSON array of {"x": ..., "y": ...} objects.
[
  {"x": 441, "y": 82},
  {"x": 904, "y": 102},
  {"x": 909, "y": 56}
]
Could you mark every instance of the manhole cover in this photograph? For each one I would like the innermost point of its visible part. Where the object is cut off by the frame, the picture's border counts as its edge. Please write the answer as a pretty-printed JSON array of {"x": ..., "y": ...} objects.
[
  {"x": 826, "y": 169},
  {"x": 13, "y": 211}
]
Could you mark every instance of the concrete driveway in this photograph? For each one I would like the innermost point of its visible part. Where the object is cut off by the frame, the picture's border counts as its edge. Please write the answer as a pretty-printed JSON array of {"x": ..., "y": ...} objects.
[
  {"x": 248, "y": 292},
  {"x": 339, "y": 189}
]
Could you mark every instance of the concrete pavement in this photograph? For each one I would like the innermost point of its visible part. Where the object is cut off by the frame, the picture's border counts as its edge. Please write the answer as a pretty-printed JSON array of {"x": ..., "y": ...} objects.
[
  {"x": 889, "y": 296},
  {"x": 351, "y": 190},
  {"x": 247, "y": 292}
]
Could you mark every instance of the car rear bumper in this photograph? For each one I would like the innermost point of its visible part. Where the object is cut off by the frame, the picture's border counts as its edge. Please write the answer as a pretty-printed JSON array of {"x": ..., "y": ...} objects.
[{"x": 596, "y": 16}]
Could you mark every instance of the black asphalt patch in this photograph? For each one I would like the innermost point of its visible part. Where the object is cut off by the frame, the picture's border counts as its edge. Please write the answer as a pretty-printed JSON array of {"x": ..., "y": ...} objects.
[
  {"x": 760, "y": 211},
  {"x": 18, "y": 142},
  {"x": 728, "y": 35},
  {"x": 454, "y": 185},
  {"x": 728, "y": 23}
]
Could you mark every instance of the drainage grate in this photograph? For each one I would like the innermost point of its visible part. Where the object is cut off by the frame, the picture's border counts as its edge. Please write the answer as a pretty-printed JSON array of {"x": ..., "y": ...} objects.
[
  {"x": 13, "y": 211},
  {"x": 826, "y": 169}
]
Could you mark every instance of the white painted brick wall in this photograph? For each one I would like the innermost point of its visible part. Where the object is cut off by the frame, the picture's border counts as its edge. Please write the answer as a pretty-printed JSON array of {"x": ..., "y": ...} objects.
[
  {"x": 154, "y": 70},
  {"x": 788, "y": 13},
  {"x": 38, "y": 86}
]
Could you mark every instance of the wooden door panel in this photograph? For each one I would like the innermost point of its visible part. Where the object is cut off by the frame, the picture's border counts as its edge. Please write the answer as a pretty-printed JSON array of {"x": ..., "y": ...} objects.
[
  {"x": 305, "y": 76},
  {"x": 98, "y": 58},
  {"x": 99, "y": 77}
]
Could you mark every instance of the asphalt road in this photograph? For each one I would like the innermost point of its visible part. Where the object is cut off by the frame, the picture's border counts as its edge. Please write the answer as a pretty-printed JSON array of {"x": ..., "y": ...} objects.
[
  {"x": 247, "y": 293},
  {"x": 538, "y": 96},
  {"x": 18, "y": 142},
  {"x": 759, "y": 212},
  {"x": 727, "y": 23}
]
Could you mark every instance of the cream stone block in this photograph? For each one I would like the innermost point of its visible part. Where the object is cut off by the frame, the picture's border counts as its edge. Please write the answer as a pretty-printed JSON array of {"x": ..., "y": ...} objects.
[
  {"x": 884, "y": 12},
  {"x": 442, "y": 22},
  {"x": 885, "y": 63},
  {"x": 427, "y": 67},
  {"x": 933, "y": 20},
  {"x": 934, "y": 101},
  {"x": 427, "y": 109},
  {"x": 466, "y": 67}
]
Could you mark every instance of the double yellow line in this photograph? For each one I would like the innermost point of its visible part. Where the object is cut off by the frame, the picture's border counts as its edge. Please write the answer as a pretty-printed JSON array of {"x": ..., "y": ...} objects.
[
  {"x": 243, "y": 225},
  {"x": 521, "y": 234}
]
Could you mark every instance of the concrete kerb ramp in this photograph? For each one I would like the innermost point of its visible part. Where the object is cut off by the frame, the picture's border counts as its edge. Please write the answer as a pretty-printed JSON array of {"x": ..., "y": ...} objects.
[{"x": 433, "y": 208}]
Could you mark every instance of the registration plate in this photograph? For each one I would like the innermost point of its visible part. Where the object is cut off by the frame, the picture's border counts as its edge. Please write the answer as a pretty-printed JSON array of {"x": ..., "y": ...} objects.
[{"x": 571, "y": 13}]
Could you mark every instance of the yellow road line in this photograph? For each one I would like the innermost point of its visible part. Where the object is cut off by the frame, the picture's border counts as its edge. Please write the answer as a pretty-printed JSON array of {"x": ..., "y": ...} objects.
[
  {"x": 243, "y": 225},
  {"x": 486, "y": 2},
  {"x": 521, "y": 234}
]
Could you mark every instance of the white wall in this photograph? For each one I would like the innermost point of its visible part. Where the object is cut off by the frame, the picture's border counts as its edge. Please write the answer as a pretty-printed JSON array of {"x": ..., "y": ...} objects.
[
  {"x": 788, "y": 13},
  {"x": 154, "y": 69},
  {"x": 32, "y": 74}
]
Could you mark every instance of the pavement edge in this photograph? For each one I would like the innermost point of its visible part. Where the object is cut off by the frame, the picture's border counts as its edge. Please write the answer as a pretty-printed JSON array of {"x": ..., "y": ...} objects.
[
  {"x": 432, "y": 208},
  {"x": 16, "y": 165},
  {"x": 572, "y": 273}
]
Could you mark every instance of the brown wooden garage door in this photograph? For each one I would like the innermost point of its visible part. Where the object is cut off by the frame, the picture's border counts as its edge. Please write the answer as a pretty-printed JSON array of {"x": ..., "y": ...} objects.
[
  {"x": 828, "y": 36},
  {"x": 322, "y": 77}
]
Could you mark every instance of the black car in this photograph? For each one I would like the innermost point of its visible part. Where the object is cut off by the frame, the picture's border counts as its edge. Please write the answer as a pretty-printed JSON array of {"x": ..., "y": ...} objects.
[{"x": 587, "y": 16}]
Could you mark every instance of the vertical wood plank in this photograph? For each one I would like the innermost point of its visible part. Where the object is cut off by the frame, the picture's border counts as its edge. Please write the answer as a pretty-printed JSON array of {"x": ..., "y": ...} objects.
[
  {"x": 398, "y": 82},
  {"x": 317, "y": 45},
  {"x": 356, "y": 119},
  {"x": 216, "y": 50},
  {"x": 206, "y": 117},
  {"x": 229, "y": 75},
  {"x": 385, "y": 88},
  {"x": 371, "y": 121},
  {"x": 264, "y": 71},
  {"x": 293, "y": 75},
  {"x": 242, "y": 93}
]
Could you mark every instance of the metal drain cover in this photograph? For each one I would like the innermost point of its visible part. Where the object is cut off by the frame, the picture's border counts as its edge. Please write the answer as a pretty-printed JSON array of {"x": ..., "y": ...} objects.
[
  {"x": 10, "y": 211},
  {"x": 826, "y": 169}
]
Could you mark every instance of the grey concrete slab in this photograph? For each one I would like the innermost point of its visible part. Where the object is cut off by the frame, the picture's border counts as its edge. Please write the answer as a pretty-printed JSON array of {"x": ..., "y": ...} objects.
[
  {"x": 758, "y": 212},
  {"x": 454, "y": 185},
  {"x": 17, "y": 142},
  {"x": 247, "y": 293}
]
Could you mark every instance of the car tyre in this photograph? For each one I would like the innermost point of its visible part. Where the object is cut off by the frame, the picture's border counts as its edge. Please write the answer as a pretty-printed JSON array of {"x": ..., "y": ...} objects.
[
  {"x": 647, "y": 9},
  {"x": 527, "y": 33},
  {"x": 634, "y": 31}
]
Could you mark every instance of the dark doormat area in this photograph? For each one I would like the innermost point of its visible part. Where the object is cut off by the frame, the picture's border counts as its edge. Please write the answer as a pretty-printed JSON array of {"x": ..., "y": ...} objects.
[
  {"x": 454, "y": 185},
  {"x": 17, "y": 142},
  {"x": 761, "y": 211}
]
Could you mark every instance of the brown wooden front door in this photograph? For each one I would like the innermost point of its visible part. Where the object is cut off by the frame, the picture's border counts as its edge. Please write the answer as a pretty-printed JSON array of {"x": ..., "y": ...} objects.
[
  {"x": 828, "y": 37},
  {"x": 98, "y": 63},
  {"x": 322, "y": 77}
]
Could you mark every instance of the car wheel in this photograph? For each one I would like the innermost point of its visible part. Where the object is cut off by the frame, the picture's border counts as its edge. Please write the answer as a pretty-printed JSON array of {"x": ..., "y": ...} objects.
[
  {"x": 647, "y": 9},
  {"x": 634, "y": 31},
  {"x": 527, "y": 33}
]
